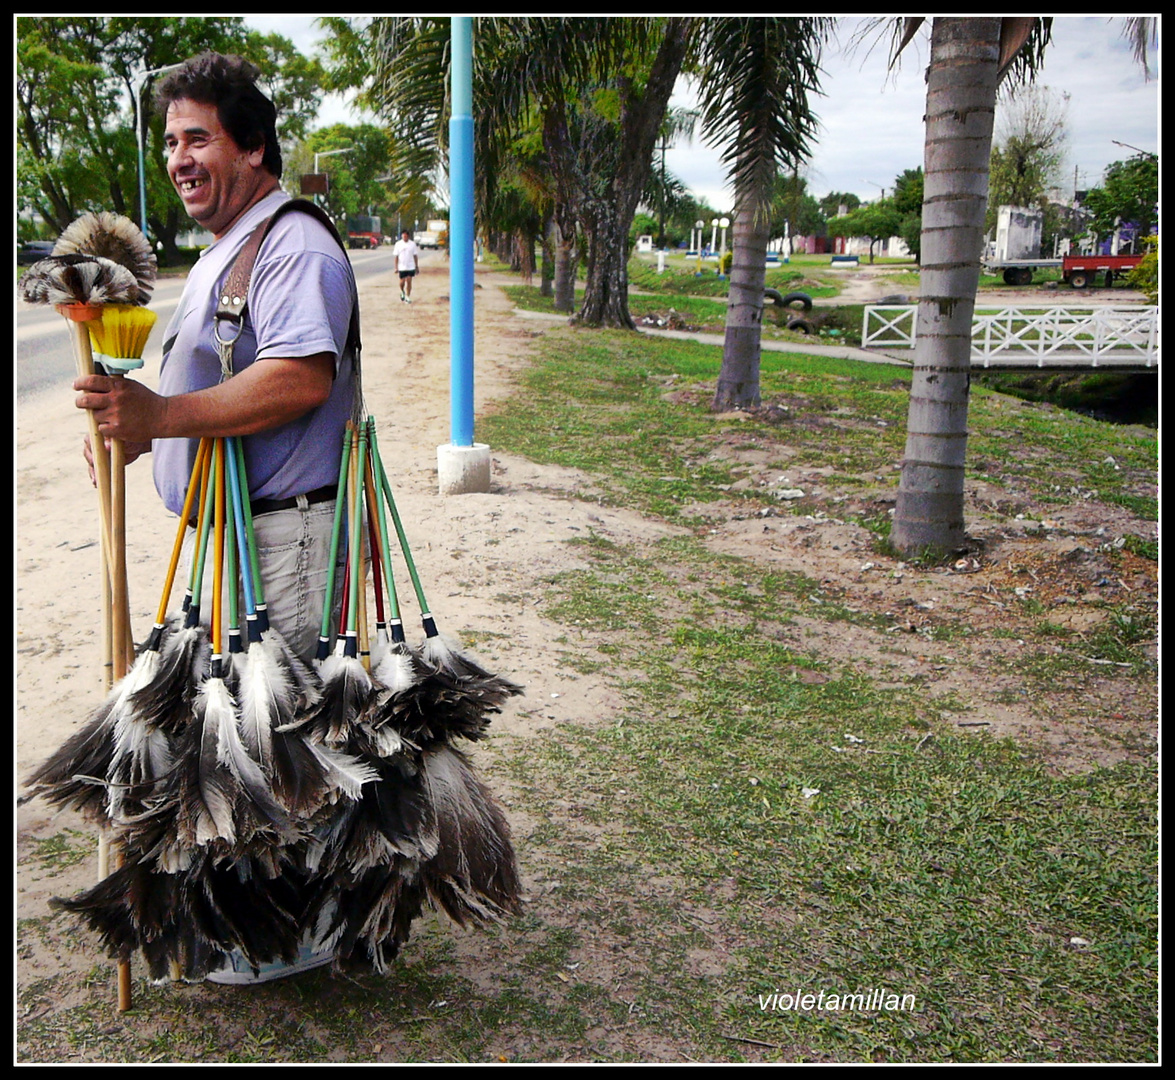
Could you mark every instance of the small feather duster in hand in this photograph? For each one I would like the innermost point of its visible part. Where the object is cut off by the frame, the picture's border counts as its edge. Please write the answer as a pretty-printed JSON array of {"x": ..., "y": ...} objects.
[
  {"x": 114, "y": 237},
  {"x": 78, "y": 279}
]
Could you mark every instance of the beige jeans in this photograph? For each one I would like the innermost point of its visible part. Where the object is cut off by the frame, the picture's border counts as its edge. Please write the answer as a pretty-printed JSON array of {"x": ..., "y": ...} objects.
[{"x": 293, "y": 547}]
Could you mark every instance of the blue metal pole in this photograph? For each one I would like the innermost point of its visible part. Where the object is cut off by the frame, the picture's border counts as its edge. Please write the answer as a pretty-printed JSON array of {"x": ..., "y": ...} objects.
[{"x": 461, "y": 233}]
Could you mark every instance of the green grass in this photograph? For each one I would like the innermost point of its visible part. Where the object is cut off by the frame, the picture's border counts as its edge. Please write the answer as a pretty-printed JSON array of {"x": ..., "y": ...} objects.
[
  {"x": 57, "y": 853},
  {"x": 1018, "y": 906},
  {"x": 682, "y": 278},
  {"x": 954, "y": 868}
]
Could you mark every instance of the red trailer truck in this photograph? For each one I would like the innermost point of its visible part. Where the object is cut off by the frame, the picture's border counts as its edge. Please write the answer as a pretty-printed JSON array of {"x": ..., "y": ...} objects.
[
  {"x": 363, "y": 232},
  {"x": 1082, "y": 270}
]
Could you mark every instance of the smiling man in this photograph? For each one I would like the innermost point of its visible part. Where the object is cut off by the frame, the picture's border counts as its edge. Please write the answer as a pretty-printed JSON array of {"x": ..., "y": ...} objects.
[{"x": 290, "y": 391}]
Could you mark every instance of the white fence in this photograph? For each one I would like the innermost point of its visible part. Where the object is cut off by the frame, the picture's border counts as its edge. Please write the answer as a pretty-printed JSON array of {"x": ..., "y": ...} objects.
[{"x": 1093, "y": 336}]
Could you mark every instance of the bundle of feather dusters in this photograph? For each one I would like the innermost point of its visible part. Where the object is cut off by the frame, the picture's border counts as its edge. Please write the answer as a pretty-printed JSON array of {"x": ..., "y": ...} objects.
[{"x": 284, "y": 801}]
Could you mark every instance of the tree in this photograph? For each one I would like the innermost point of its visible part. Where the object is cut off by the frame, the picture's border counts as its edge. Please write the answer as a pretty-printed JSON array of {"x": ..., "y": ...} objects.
[
  {"x": 875, "y": 221},
  {"x": 1145, "y": 276},
  {"x": 1028, "y": 156},
  {"x": 1129, "y": 194},
  {"x": 968, "y": 57},
  {"x": 1029, "y": 148},
  {"x": 597, "y": 89},
  {"x": 356, "y": 186},
  {"x": 832, "y": 202},
  {"x": 907, "y": 201},
  {"x": 756, "y": 78},
  {"x": 600, "y": 141},
  {"x": 794, "y": 212}
]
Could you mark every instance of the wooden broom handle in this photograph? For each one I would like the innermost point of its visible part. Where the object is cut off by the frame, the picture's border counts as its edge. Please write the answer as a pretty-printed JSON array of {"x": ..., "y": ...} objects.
[{"x": 84, "y": 358}]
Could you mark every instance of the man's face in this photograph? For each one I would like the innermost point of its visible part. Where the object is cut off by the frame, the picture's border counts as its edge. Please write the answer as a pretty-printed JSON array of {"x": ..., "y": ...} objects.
[
  {"x": 404, "y": 235},
  {"x": 215, "y": 178}
]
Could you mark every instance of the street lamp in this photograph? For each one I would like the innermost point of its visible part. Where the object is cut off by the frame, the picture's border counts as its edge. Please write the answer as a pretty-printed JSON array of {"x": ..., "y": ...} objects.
[
  {"x": 725, "y": 224},
  {"x": 713, "y": 233},
  {"x": 142, "y": 79},
  {"x": 699, "y": 225},
  {"x": 327, "y": 153}
]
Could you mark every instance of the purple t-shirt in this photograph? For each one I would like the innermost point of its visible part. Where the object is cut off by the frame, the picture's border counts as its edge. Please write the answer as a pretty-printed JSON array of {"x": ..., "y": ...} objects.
[{"x": 300, "y": 303}]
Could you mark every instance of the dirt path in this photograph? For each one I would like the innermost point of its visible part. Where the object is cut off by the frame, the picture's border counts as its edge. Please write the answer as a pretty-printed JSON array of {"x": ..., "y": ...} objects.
[{"x": 865, "y": 284}]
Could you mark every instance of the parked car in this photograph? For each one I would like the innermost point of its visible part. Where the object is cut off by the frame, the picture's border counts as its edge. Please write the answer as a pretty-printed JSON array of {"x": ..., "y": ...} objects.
[{"x": 33, "y": 251}]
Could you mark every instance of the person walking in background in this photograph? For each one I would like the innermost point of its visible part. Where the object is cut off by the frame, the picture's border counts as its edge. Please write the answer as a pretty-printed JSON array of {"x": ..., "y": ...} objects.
[{"x": 407, "y": 256}]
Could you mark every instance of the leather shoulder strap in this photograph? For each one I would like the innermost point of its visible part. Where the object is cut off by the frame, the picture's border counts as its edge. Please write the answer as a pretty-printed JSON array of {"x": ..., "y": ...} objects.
[{"x": 234, "y": 296}]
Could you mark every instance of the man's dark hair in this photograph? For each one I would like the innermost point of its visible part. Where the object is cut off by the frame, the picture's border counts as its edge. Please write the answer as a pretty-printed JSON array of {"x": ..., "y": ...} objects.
[{"x": 229, "y": 83}]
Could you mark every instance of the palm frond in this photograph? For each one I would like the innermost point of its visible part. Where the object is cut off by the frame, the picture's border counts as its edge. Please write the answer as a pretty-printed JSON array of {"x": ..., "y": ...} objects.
[
  {"x": 757, "y": 77},
  {"x": 1142, "y": 32}
]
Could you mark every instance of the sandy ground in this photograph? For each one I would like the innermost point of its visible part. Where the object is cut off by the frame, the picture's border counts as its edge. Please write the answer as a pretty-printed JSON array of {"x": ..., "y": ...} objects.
[
  {"x": 866, "y": 284},
  {"x": 470, "y": 549}
]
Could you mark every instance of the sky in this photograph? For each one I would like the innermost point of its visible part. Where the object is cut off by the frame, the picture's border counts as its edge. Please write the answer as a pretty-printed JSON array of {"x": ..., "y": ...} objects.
[{"x": 871, "y": 118}]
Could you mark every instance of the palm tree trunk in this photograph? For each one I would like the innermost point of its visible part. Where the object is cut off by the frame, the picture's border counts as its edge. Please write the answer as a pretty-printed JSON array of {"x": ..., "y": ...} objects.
[
  {"x": 960, "y": 107},
  {"x": 565, "y": 262},
  {"x": 549, "y": 241},
  {"x": 605, "y": 294},
  {"x": 738, "y": 379}
]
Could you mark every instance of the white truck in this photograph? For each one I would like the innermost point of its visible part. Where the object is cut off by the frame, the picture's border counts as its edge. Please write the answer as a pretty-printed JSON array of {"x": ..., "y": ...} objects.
[
  {"x": 1017, "y": 245},
  {"x": 435, "y": 236}
]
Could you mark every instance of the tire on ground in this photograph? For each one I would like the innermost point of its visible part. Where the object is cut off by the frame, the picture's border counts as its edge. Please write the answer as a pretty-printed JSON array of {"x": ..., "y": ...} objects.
[{"x": 786, "y": 300}]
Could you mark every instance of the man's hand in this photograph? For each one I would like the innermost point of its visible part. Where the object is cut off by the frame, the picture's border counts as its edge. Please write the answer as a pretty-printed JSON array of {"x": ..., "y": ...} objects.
[
  {"x": 131, "y": 452},
  {"x": 123, "y": 408}
]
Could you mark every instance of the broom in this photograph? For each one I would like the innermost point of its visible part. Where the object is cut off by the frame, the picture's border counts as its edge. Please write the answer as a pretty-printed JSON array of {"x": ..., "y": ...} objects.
[
  {"x": 120, "y": 336},
  {"x": 78, "y": 281},
  {"x": 79, "y": 286},
  {"x": 117, "y": 239}
]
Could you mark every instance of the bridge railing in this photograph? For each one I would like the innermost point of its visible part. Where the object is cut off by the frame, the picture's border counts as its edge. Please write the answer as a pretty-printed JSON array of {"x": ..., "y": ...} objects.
[{"x": 1127, "y": 333}]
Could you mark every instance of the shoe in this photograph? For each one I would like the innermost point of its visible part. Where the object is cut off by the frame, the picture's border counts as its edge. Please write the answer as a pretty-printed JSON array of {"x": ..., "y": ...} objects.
[
  {"x": 237, "y": 971},
  {"x": 402, "y": 298}
]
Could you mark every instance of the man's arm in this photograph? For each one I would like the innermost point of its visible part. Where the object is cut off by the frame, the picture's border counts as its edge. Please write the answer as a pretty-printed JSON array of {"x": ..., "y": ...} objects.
[{"x": 267, "y": 394}]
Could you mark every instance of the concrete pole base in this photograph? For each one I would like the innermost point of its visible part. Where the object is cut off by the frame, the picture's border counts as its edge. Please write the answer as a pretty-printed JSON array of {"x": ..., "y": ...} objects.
[{"x": 463, "y": 470}]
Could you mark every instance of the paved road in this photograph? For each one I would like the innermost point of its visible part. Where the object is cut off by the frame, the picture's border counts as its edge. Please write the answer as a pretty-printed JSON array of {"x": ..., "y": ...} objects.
[{"x": 44, "y": 357}]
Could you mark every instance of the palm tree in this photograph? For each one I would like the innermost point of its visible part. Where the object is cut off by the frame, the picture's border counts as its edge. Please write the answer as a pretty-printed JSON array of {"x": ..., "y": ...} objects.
[
  {"x": 757, "y": 75},
  {"x": 968, "y": 59},
  {"x": 600, "y": 135}
]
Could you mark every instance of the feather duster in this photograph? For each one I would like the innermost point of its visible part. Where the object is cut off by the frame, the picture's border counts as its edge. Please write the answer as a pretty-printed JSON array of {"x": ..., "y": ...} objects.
[
  {"x": 78, "y": 279},
  {"x": 474, "y": 874},
  {"x": 114, "y": 237}
]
